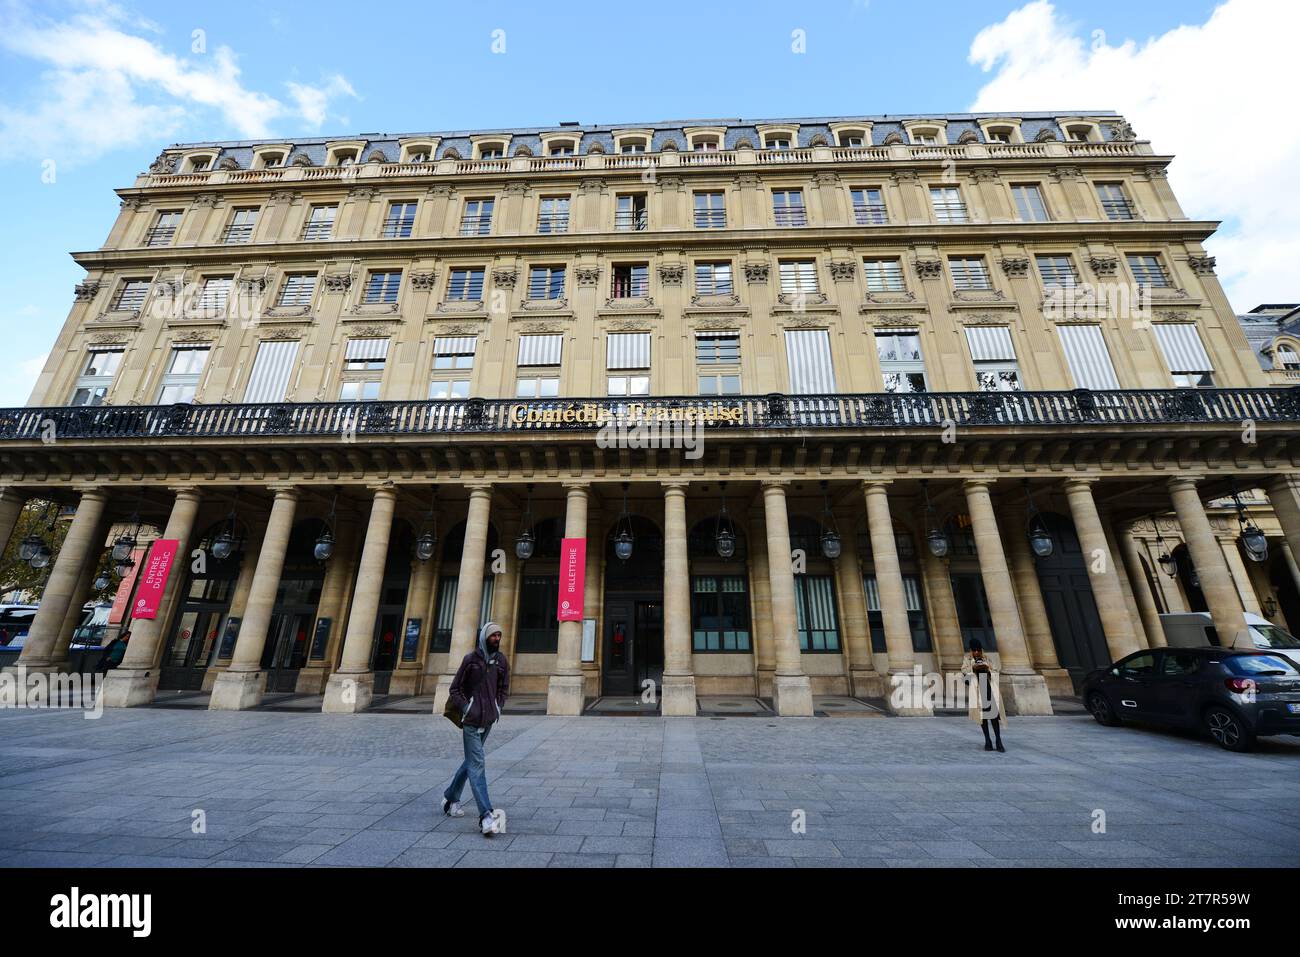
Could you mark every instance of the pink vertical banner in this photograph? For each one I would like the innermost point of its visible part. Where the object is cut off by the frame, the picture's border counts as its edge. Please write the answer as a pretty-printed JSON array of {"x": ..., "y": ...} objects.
[
  {"x": 124, "y": 589},
  {"x": 153, "y": 579},
  {"x": 573, "y": 570}
]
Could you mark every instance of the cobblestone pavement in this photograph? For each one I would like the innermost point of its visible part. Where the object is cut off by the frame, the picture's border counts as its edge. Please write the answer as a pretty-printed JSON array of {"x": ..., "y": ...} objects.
[{"x": 313, "y": 789}]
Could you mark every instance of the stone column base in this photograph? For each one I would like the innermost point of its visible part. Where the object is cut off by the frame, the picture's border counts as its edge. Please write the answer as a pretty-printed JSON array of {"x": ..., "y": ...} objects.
[
  {"x": 765, "y": 682},
  {"x": 349, "y": 693},
  {"x": 1058, "y": 682},
  {"x": 405, "y": 681},
  {"x": 237, "y": 690},
  {"x": 310, "y": 681},
  {"x": 677, "y": 696},
  {"x": 210, "y": 676},
  {"x": 792, "y": 696},
  {"x": 128, "y": 689},
  {"x": 1025, "y": 694},
  {"x": 441, "y": 691},
  {"x": 868, "y": 684},
  {"x": 564, "y": 695}
]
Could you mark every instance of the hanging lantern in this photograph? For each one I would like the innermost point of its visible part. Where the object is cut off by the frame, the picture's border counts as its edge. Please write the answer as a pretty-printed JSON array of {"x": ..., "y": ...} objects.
[
  {"x": 324, "y": 546},
  {"x": 102, "y": 581},
  {"x": 831, "y": 546},
  {"x": 123, "y": 568},
  {"x": 1040, "y": 539},
  {"x": 724, "y": 539},
  {"x": 123, "y": 547},
  {"x": 623, "y": 545},
  {"x": 1256, "y": 543},
  {"x": 424, "y": 546},
  {"x": 1167, "y": 564},
  {"x": 937, "y": 541},
  {"x": 525, "y": 545},
  {"x": 42, "y": 556},
  {"x": 28, "y": 547},
  {"x": 223, "y": 545}
]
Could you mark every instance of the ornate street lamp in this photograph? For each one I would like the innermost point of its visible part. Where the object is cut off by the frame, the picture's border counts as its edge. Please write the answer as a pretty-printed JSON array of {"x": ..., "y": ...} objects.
[
  {"x": 42, "y": 556},
  {"x": 831, "y": 546},
  {"x": 324, "y": 547},
  {"x": 28, "y": 547},
  {"x": 624, "y": 541},
  {"x": 525, "y": 545},
  {"x": 427, "y": 543},
  {"x": 724, "y": 535},
  {"x": 1040, "y": 539},
  {"x": 936, "y": 539},
  {"x": 1252, "y": 536},
  {"x": 224, "y": 544}
]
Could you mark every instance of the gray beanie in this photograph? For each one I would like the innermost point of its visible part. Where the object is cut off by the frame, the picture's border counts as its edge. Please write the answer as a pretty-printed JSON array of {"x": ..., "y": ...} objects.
[{"x": 487, "y": 629}]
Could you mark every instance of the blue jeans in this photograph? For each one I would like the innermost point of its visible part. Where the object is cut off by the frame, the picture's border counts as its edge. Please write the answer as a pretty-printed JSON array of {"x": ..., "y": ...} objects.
[{"x": 472, "y": 769}]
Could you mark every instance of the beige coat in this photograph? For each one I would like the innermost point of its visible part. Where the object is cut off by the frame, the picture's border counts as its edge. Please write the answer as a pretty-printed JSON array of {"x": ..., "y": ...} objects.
[{"x": 975, "y": 707}]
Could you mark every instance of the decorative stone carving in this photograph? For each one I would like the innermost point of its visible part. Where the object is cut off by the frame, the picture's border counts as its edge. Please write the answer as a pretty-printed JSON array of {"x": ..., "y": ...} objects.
[
  {"x": 819, "y": 140},
  {"x": 255, "y": 286},
  {"x": 423, "y": 281},
  {"x": 543, "y": 305},
  {"x": 638, "y": 302},
  {"x": 968, "y": 137},
  {"x": 706, "y": 302},
  {"x": 1046, "y": 135},
  {"x": 228, "y": 163},
  {"x": 718, "y": 322},
  {"x": 798, "y": 321},
  {"x": 132, "y": 203},
  {"x": 987, "y": 295},
  {"x": 1015, "y": 265},
  {"x": 985, "y": 174},
  {"x": 983, "y": 319},
  {"x": 892, "y": 319},
  {"x": 746, "y": 180},
  {"x": 590, "y": 185},
  {"x": 205, "y": 199},
  {"x": 801, "y": 299},
  {"x": 459, "y": 329},
  {"x": 285, "y": 196},
  {"x": 1201, "y": 265},
  {"x": 373, "y": 331},
  {"x": 744, "y": 143},
  {"x": 505, "y": 278},
  {"x": 362, "y": 193},
  {"x": 302, "y": 159},
  {"x": 891, "y": 298},
  {"x": 1122, "y": 132},
  {"x": 1063, "y": 173},
  {"x": 523, "y": 150},
  {"x": 893, "y": 139},
  {"x": 109, "y": 339},
  {"x": 372, "y": 308},
  {"x": 1104, "y": 266},
  {"x": 338, "y": 282},
  {"x": 535, "y": 327},
  {"x": 164, "y": 165},
  {"x": 843, "y": 270},
  {"x": 906, "y": 177},
  {"x": 756, "y": 272},
  {"x": 670, "y": 182},
  {"x": 169, "y": 288},
  {"x": 828, "y": 180},
  {"x": 928, "y": 268},
  {"x": 193, "y": 335},
  {"x": 587, "y": 275},
  {"x": 627, "y": 325},
  {"x": 85, "y": 291},
  {"x": 595, "y": 148},
  {"x": 287, "y": 332},
  {"x": 377, "y": 156},
  {"x": 669, "y": 146},
  {"x": 1157, "y": 172},
  {"x": 1174, "y": 316},
  {"x": 451, "y": 153},
  {"x": 461, "y": 305},
  {"x": 516, "y": 188},
  {"x": 670, "y": 274}
]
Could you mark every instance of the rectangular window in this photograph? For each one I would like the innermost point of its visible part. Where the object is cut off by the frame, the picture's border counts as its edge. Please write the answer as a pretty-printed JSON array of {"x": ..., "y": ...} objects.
[
  {"x": 382, "y": 286},
  {"x": 816, "y": 617},
  {"x": 465, "y": 284},
  {"x": 717, "y": 347},
  {"x": 631, "y": 282},
  {"x": 1148, "y": 270},
  {"x": 97, "y": 376},
  {"x": 539, "y": 364},
  {"x": 994, "y": 356},
  {"x": 628, "y": 352},
  {"x": 710, "y": 210},
  {"x": 298, "y": 289},
  {"x": 538, "y": 628},
  {"x": 1029, "y": 203},
  {"x": 719, "y": 613},
  {"x": 553, "y": 214},
  {"x": 546, "y": 282},
  {"x": 400, "y": 221},
  {"x": 916, "y": 620},
  {"x": 798, "y": 275},
  {"x": 1087, "y": 356},
  {"x": 445, "y": 613},
  {"x": 884, "y": 275},
  {"x": 131, "y": 295},
  {"x": 1114, "y": 201},
  {"x": 948, "y": 205},
  {"x": 163, "y": 230},
  {"x": 269, "y": 380},
  {"x": 869, "y": 206},
  {"x": 240, "y": 228},
  {"x": 808, "y": 352},
  {"x": 788, "y": 208},
  {"x": 1057, "y": 271},
  {"x": 453, "y": 362},
  {"x": 713, "y": 279},
  {"x": 969, "y": 273},
  {"x": 477, "y": 220},
  {"x": 1185, "y": 354},
  {"x": 719, "y": 384},
  {"x": 181, "y": 380},
  {"x": 630, "y": 212},
  {"x": 900, "y": 360},
  {"x": 363, "y": 369},
  {"x": 214, "y": 294},
  {"x": 320, "y": 222}
]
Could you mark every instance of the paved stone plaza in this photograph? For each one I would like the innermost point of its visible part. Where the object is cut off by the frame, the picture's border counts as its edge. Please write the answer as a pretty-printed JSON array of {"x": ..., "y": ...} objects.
[{"x": 284, "y": 789}]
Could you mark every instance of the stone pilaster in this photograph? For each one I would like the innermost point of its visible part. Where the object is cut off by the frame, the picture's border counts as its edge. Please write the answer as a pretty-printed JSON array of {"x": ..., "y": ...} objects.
[
  {"x": 678, "y": 696},
  {"x": 1216, "y": 583},
  {"x": 1033, "y": 614},
  {"x": 864, "y": 680},
  {"x": 1103, "y": 570},
  {"x": 469, "y": 590},
  {"x": 791, "y": 689},
  {"x": 564, "y": 690}
]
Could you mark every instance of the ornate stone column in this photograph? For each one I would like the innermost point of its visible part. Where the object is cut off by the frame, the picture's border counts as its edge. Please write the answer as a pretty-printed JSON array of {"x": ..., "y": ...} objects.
[
  {"x": 760, "y": 576},
  {"x": 678, "y": 697},
  {"x": 243, "y": 683},
  {"x": 564, "y": 689},
  {"x": 11, "y": 506},
  {"x": 791, "y": 689},
  {"x": 1023, "y": 691},
  {"x": 1103, "y": 570},
  {"x": 889, "y": 586},
  {"x": 943, "y": 609},
  {"x": 593, "y": 594},
  {"x": 133, "y": 682},
  {"x": 1146, "y": 602},
  {"x": 352, "y": 687},
  {"x": 83, "y": 592},
  {"x": 79, "y": 547},
  {"x": 469, "y": 589},
  {"x": 1216, "y": 583},
  {"x": 864, "y": 680},
  {"x": 1033, "y": 615},
  {"x": 1126, "y": 586},
  {"x": 1284, "y": 496}
]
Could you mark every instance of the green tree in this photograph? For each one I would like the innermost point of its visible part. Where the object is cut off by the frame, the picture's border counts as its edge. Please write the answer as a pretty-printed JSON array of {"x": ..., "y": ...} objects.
[{"x": 43, "y": 518}]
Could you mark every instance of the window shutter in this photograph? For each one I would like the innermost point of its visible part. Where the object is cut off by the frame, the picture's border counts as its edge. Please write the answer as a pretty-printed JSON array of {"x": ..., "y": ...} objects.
[
  {"x": 1182, "y": 346},
  {"x": 455, "y": 345},
  {"x": 1088, "y": 358},
  {"x": 627, "y": 350},
  {"x": 269, "y": 381},
  {"x": 990, "y": 343},
  {"x": 540, "y": 350},
  {"x": 367, "y": 349},
  {"x": 809, "y": 354}
]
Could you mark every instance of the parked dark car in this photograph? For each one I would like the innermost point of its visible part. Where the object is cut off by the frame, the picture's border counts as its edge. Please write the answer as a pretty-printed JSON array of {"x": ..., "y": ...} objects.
[{"x": 1234, "y": 696}]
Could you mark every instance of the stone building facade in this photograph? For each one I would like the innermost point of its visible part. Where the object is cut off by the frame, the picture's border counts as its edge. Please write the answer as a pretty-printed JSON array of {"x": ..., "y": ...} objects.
[{"x": 810, "y": 391}]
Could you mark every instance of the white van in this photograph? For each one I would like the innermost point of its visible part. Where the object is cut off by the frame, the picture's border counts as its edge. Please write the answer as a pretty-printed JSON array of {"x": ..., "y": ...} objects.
[{"x": 1195, "y": 629}]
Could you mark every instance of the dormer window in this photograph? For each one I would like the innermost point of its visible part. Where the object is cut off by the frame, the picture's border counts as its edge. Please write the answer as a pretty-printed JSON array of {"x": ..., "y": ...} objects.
[
  {"x": 777, "y": 142},
  {"x": 925, "y": 136},
  {"x": 200, "y": 164},
  {"x": 632, "y": 146},
  {"x": 273, "y": 159},
  {"x": 999, "y": 134},
  {"x": 491, "y": 151},
  {"x": 853, "y": 140},
  {"x": 561, "y": 148},
  {"x": 417, "y": 152},
  {"x": 1287, "y": 357},
  {"x": 706, "y": 143},
  {"x": 344, "y": 156},
  {"x": 1078, "y": 134}
]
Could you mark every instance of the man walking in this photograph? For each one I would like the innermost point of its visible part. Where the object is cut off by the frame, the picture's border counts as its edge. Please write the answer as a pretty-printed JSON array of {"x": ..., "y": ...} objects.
[{"x": 479, "y": 691}]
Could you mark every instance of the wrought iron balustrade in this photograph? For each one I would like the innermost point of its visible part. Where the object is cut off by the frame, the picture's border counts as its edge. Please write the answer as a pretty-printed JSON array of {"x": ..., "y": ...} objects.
[{"x": 932, "y": 410}]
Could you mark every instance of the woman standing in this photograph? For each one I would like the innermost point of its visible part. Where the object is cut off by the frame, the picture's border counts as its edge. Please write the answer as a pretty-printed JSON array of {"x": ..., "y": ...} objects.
[{"x": 983, "y": 695}]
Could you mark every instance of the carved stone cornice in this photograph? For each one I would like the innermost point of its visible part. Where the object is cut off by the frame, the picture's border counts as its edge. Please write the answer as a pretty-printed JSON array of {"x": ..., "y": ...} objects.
[
  {"x": 1104, "y": 265},
  {"x": 205, "y": 199},
  {"x": 985, "y": 174},
  {"x": 513, "y": 188},
  {"x": 1015, "y": 265},
  {"x": 756, "y": 271},
  {"x": 458, "y": 306},
  {"x": 423, "y": 281},
  {"x": 1062, "y": 173},
  {"x": 586, "y": 275},
  {"x": 337, "y": 282},
  {"x": 592, "y": 185},
  {"x": 362, "y": 193},
  {"x": 85, "y": 291},
  {"x": 830, "y": 180},
  {"x": 505, "y": 278},
  {"x": 746, "y": 180},
  {"x": 671, "y": 274},
  {"x": 285, "y": 196},
  {"x": 630, "y": 303},
  {"x": 446, "y": 191},
  {"x": 906, "y": 177},
  {"x": 843, "y": 270},
  {"x": 1201, "y": 265},
  {"x": 132, "y": 203},
  {"x": 928, "y": 268}
]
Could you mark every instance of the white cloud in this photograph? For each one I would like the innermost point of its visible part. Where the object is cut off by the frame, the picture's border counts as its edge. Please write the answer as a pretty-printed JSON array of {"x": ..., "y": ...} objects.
[
  {"x": 1212, "y": 94},
  {"x": 16, "y": 387},
  {"x": 105, "y": 85}
]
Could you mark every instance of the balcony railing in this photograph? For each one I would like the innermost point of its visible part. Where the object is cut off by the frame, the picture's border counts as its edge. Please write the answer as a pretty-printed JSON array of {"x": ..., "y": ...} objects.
[
  {"x": 870, "y": 214},
  {"x": 631, "y": 219},
  {"x": 1068, "y": 411},
  {"x": 476, "y": 225},
  {"x": 553, "y": 222}
]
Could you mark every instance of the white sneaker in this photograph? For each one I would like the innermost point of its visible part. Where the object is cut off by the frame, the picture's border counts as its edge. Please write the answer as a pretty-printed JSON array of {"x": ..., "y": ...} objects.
[
  {"x": 494, "y": 822},
  {"x": 452, "y": 808}
]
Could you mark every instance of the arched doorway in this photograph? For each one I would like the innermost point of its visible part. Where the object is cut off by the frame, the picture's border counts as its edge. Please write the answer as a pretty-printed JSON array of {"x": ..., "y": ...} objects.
[
  {"x": 1071, "y": 609},
  {"x": 633, "y": 650},
  {"x": 195, "y": 636},
  {"x": 296, "y": 600}
]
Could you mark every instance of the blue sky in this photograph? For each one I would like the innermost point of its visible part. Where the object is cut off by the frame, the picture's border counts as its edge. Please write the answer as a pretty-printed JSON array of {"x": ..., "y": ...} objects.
[{"x": 90, "y": 91}]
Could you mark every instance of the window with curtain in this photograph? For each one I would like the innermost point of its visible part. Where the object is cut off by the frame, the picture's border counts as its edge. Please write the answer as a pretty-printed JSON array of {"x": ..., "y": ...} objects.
[
  {"x": 901, "y": 363},
  {"x": 816, "y": 617},
  {"x": 809, "y": 354},
  {"x": 1087, "y": 356},
  {"x": 97, "y": 376},
  {"x": 719, "y": 614}
]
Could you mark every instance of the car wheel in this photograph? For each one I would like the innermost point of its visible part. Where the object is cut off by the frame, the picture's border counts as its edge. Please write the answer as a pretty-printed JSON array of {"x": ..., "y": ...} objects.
[
  {"x": 1228, "y": 730},
  {"x": 1101, "y": 710}
]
